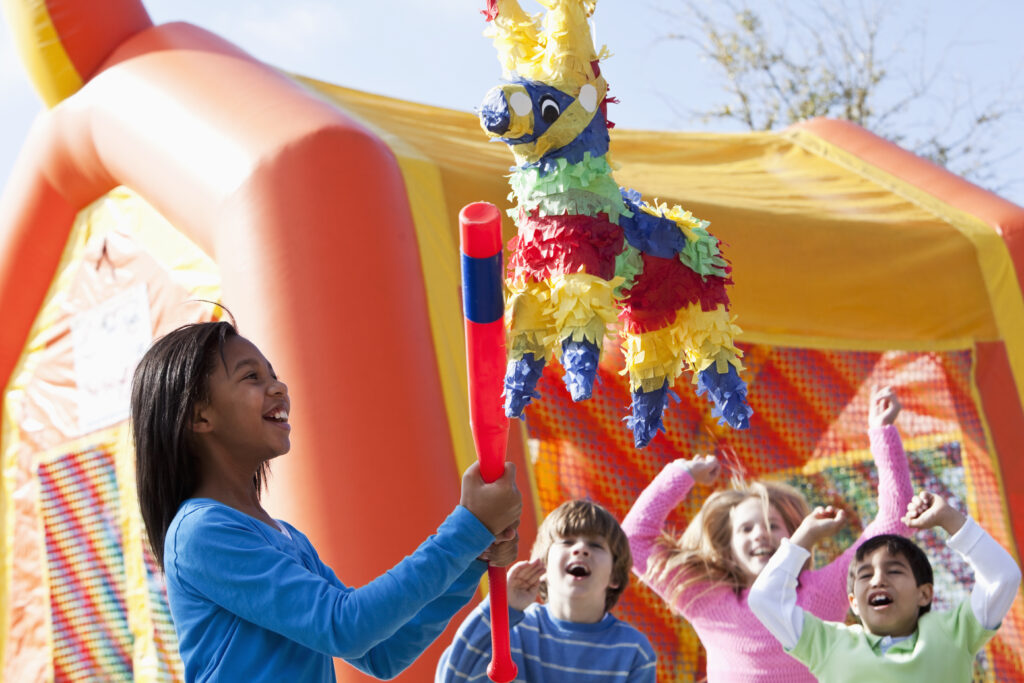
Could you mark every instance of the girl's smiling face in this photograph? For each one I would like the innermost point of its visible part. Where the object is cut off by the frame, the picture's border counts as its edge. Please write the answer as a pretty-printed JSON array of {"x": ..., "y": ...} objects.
[
  {"x": 247, "y": 410},
  {"x": 754, "y": 539}
]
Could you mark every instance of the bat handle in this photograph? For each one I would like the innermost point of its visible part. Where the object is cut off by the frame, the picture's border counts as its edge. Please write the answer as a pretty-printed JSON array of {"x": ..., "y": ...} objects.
[{"x": 501, "y": 669}]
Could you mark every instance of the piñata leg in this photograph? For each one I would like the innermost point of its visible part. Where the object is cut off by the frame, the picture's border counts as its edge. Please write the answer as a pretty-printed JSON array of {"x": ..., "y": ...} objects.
[
  {"x": 712, "y": 355},
  {"x": 529, "y": 330},
  {"x": 653, "y": 360},
  {"x": 582, "y": 307}
]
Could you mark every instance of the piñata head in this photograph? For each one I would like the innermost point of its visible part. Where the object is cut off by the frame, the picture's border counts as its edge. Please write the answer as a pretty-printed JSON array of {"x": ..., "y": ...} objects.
[
  {"x": 589, "y": 253},
  {"x": 552, "y": 104}
]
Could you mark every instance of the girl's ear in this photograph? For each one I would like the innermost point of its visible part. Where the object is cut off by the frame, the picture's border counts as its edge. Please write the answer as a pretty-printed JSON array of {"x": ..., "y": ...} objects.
[{"x": 200, "y": 424}]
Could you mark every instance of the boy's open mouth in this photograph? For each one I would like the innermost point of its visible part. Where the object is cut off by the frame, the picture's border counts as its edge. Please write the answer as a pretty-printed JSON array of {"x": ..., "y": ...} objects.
[
  {"x": 577, "y": 569},
  {"x": 880, "y": 599}
]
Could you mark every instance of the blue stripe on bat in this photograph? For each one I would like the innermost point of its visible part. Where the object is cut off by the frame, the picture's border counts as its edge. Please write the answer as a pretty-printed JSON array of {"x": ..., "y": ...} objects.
[{"x": 482, "y": 300}]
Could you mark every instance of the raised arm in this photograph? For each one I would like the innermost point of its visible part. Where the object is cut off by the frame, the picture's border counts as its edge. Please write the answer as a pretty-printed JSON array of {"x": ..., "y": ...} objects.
[
  {"x": 645, "y": 520},
  {"x": 772, "y": 596},
  {"x": 894, "y": 488},
  {"x": 996, "y": 575},
  {"x": 275, "y": 590},
  {"x": 894, "y": 493}
]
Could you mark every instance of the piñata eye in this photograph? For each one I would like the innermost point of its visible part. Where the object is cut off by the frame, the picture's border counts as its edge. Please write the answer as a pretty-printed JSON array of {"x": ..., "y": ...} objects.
[{"x": 549, "y": 109}]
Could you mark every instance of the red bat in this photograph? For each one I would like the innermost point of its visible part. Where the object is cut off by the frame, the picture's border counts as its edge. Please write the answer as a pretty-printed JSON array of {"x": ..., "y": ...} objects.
[{"x": 483, "y": 307}]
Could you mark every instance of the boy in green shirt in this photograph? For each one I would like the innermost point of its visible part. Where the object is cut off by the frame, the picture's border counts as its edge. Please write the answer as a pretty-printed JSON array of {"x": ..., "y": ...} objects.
[{"x": 890, "y": 589}]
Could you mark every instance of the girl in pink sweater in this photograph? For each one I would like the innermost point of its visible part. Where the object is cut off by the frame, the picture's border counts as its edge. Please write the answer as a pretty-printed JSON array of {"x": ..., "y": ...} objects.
[{"x": 706, "y": 573}]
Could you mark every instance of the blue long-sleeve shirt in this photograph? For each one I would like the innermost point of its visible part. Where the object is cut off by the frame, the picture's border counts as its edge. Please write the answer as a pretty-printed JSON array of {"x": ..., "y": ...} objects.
[
  {"x": 549, "y": 649},
  {"x": 250, "y": 603}
]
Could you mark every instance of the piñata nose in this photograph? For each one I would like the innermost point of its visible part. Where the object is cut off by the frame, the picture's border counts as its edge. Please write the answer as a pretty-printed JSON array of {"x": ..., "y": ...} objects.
[{"x": 494, "y": 114}]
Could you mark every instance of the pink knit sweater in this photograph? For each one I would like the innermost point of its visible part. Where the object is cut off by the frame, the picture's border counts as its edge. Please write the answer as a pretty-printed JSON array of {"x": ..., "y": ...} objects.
[{"x": 739, "y": 649}]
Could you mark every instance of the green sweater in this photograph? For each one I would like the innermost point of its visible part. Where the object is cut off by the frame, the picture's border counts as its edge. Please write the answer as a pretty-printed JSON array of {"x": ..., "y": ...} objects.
[{"x": 942, "y": 649}]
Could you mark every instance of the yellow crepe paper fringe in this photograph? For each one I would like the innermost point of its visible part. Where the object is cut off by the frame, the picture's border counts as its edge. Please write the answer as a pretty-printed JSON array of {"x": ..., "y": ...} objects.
[
  {"x": 528, "y": 320},
  {"x": 652, "y": 358},
  {"x": 559, "y": 54},
  {"x": 708, "y": 338},
  {"x": 682, "y": 218},
  {"x": 539, "y": 316},
  {"x": 582, "y": 306},
  {"x": 699, "y": 337},
  {"x": 516, "y": 38}
]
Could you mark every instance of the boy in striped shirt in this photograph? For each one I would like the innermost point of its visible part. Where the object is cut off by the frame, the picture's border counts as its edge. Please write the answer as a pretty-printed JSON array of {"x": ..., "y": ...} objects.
[{"x": 579, "y": 566}]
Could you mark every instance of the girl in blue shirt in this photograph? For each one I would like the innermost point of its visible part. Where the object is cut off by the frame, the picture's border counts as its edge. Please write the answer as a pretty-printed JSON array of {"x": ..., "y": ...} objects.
[{"x": 249, "y": 597}]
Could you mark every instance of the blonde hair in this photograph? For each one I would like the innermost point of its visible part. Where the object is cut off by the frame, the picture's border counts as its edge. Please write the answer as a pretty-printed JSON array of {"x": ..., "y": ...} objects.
[
  {"x": 586, "y": 518},
  {"x": 703, "y": 554}
]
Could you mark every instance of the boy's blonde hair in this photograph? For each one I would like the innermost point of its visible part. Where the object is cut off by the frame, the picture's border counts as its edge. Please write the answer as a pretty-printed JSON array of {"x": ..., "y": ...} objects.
[
  {"x": 586, "y": 518},
  {"x": 703, "y": 554}
]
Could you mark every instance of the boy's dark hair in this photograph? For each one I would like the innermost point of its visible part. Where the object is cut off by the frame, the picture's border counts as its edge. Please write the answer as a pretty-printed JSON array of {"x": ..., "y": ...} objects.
[
  {"x": 896, "y": 545},
  {"x": 169, "y": 382},
  {"x": 587, "y": 518}
]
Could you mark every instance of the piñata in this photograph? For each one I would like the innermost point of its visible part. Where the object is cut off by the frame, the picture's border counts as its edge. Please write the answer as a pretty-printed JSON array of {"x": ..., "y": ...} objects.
[{"x": 589, "y": 253}]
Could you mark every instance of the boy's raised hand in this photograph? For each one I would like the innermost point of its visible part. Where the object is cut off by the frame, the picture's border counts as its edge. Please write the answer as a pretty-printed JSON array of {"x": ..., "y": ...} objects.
[
  {"x": 884, "y": 407},
  {"x": 497, "y": 505},
  {"x": 524, "y": 583},
  {"x": 704, "y": 469},
  {"x": 926, "y": 510},
  {"x": 822, "y": 522}
]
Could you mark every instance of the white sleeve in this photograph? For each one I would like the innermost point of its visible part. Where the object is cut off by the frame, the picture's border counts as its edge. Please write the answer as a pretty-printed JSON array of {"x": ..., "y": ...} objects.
[
  {"x": 996, "y": 574},
  {"x": 772, "y": 598}
]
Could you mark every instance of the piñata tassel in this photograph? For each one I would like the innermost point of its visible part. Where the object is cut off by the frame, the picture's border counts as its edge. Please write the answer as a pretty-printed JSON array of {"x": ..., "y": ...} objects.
[{"x": 729, "y": 394}]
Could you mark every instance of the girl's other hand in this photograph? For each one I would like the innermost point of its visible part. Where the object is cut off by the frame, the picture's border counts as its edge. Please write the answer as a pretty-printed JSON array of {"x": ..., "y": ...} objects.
[
  {"x": 884, "y": 407},
  {"x": 504, "y": 550},
  {"x": 524, "y": 583},
  {"x": 704, "y": 469},
  {"x": 821, "y": 523}
]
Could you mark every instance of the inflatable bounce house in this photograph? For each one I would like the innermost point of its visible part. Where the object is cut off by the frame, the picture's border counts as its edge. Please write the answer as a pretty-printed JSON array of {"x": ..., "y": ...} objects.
[{"x": 172, "y": 168}]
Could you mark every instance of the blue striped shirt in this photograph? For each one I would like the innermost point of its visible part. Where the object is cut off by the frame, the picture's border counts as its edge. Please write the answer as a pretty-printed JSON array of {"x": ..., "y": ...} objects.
[{"x": 549, "y": 649}]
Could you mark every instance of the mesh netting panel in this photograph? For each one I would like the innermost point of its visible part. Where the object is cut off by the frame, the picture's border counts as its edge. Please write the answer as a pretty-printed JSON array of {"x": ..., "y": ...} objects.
[
  {"x": 170, "y": 666},
  {"x": 809, "y": 430},
  {"x": 81, "y": 513},
  {"x": 92, "y": 641}
]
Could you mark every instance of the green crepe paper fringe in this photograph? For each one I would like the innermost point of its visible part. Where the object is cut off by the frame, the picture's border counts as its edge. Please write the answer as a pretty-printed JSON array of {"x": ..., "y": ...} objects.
[
  {"x": 574, "y": 202},
  {"x": 628, "y": 265},
  {"x": 591, "y": 174},
  {"x": 702, "y": 254}
]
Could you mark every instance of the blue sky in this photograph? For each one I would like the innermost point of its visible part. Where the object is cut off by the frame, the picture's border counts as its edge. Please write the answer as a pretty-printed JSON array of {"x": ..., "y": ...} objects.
[{"x": 432, "y": 51}]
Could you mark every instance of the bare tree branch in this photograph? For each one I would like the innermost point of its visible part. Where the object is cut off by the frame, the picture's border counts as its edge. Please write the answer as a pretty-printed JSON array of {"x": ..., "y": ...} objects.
[{"x": 785, "y": 63}]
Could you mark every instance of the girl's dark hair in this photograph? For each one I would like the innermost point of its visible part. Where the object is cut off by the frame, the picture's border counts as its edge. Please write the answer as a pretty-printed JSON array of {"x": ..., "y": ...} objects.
[{"x": 170, "y": 381}]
